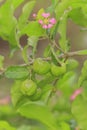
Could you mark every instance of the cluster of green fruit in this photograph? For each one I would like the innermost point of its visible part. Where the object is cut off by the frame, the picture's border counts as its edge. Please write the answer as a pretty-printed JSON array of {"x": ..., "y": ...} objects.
[
  {"x": 41, "y": 67},
  {"x": 29, "y": 87}
]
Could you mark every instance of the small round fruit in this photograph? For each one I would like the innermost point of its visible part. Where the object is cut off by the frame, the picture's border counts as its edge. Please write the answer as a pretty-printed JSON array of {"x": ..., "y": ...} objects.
[
  {"x": 58, "y": 70},
  {"x": 37, "y": 95},
  {"x": 41, "y": 67},
  {"x": 71, "y": 64},
  {"x": 28, "y": 87}
]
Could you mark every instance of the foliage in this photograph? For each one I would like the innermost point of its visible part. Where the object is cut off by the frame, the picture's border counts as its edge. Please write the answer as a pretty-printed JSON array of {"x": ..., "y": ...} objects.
[{"x": 46, "y": 89}]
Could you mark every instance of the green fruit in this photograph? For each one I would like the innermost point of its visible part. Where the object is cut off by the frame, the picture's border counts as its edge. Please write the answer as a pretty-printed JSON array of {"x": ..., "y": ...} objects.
[
  {"x": 28, "y": 87},
  {"x": 37, "y": 95},
  {"x": 71, "y": 64},
  {"x": 41, "y": 67},
  {"x": 58, "y": 70}
]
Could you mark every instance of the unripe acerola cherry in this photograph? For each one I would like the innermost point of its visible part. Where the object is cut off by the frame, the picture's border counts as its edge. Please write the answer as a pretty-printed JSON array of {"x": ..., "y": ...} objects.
[
  {"x": 37, "y": 95},
  {"x": 58, "y": 70},
  {"x": 71, "y": 64},
  {"x": 28, "y": 87},
  {"x": 41, "y": 67}
]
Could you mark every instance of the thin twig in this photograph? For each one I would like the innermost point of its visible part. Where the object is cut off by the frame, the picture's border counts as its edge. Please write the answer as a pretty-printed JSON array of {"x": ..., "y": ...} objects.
[
  {"x": 57, "y": 46},
  {"x": 69, "y": 54}
]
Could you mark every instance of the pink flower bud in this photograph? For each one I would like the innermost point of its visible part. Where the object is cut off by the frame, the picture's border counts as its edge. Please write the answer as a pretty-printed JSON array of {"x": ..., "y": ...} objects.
[
  {"x": 52, "y": 21},
  {"x": 75, "y": 94},
  {"x": 5, "y": 100},
  {"x": 78, "y": 91},
  {"x": 44, "y": 26},
  {"x": 72, "y": 97},
  {"x": 34, "y": 15},
  {"x": 45, "y": 15},
  {"x": 50, "y": 25},
  {"x": 40, "y": 22}
]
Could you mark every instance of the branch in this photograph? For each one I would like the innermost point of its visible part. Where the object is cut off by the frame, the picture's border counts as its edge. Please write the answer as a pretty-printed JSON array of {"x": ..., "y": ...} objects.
[
  {"x": 69, "y": 54},
  {"x": 64, "y": 55}
]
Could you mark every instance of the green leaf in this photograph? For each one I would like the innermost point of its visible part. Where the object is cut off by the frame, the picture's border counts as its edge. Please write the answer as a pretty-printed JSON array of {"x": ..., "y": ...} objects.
[
  {"x": 49, "y": 78},
  {"x": 81, "y": 19},
  {"x": 66, "y": 5},
  {"x": 77, "y": 3},
  {"x": 24, "y": 127},
  {"x": 82, "y": 52},
  {"x": 72, "y": 64},
  {"x": 54, "y": 1},
  {"x": 79, "y": 111},
  {"x": 47, "y": 51},
  {"x": 8, "y": 23},
  {"x": 33, "y": 41},
  {"x": 64, "y": 126},
  {"x": 31, "y": 29},
  {"x": 25, "y": 54},
  {"x": 51, "y": 8},
  {"x": 23, "y": 19},
  {"x": 84, "y": 92},
  {"x": 38, "y": 111},
  {"x": 5, "y": 126},
  {"x": 1, "y": 61},
  {"x": 16, "y": 72},
  {"x": 16, "y": 95},
  {"x": 83, "y": 75},
  {"x": 46, "y": 92},
  {"x": 66, "y": 83},
  {"x": 62, "y": 32},
  {"x": 39, "y": 14},
  {"x": 6, "y": 110},
  {"x": 60, "y": 8},
  {"x": 16, "y": 3}
]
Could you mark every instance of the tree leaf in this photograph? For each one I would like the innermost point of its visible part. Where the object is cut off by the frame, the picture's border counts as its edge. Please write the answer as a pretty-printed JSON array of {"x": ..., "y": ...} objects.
[
  {"x": 16, "y": 95},
  {"x": 66, "y": 83},
  {"x": 47, "y": 51},
  {"x": 31, "y": 29},
  {"x": 22, "y": 21},
  {"x": 33, "y": 41},
  {"x": 16, "y": 3},
  {"x": 64, "y": 126},
  {"x": 25, "y": 54},
  {"x": 62, "y": 31},
  {"x": 60, "y": 8},
  {"x": 16, "y": 72},
  {"x": 82, "y": 52},
  {"x": 84, "y": 92},
  {"x": 39, "y": 14},
  {"x": 83, "y": 75},
  {"x": 82, "y": 17},
  {"x": 79, "y": 110},
  {"x": 5, "y": 126},
  {"x": 8, "y": 23},
  {"x": 1, "y": 61},
  {"x": 24, "y": 127},
  {"x": 38, "y": 111}
]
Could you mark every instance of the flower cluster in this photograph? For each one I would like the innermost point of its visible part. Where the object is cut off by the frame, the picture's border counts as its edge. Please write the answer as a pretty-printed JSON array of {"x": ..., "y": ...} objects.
[{"x": 46, "y": 22}]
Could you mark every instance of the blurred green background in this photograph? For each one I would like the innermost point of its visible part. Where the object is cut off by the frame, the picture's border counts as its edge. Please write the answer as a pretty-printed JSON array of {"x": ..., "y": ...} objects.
[{"x": 75, "y": 34}]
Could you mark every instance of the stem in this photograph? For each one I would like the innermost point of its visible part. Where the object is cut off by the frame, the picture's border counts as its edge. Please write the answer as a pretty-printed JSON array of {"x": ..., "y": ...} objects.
[
  {"x": 54, "y": 43},
  {"x": 53, "y": 52},
  {"x": 69, "y": 54},
  {"x": 66, "y": 55}
]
